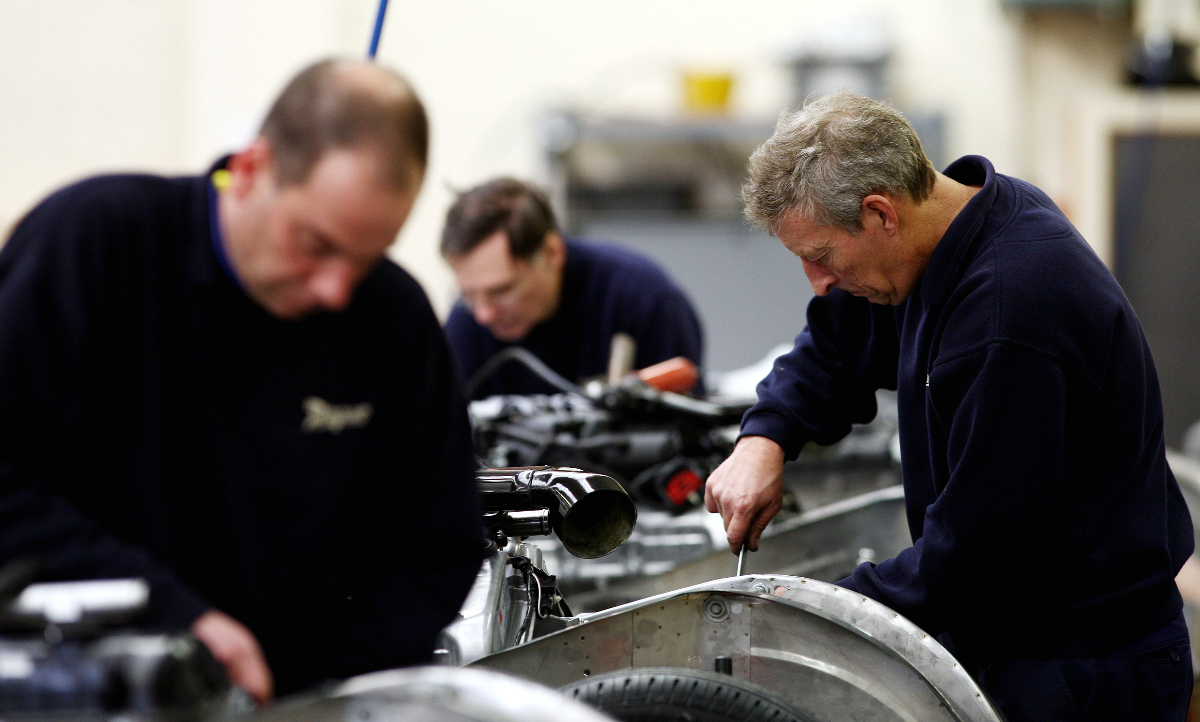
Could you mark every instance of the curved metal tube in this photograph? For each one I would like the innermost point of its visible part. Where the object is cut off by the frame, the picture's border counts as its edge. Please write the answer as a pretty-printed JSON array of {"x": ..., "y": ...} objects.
[{"x": 591, "y": 514}]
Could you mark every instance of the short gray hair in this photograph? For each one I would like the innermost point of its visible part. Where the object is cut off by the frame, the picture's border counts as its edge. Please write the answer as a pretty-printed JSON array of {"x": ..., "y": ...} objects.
[{"x": 826, "y": 157}]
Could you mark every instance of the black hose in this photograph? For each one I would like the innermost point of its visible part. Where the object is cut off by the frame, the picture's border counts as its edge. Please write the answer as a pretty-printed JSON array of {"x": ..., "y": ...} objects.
[
  {"x": 15, "y": 576},
  {"x": 526, "y": 358}
]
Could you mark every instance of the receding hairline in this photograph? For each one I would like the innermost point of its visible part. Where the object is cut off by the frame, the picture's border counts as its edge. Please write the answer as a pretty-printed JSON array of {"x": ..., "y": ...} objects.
[
  {"x": 388, "y": 86},
  {"x": 348, "y": 104},
  {"x": 375, "y": 79}
]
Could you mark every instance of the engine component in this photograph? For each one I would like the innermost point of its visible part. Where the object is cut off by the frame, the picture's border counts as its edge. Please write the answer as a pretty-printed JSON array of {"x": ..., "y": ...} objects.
[
  {"x": 59, "y": 654},
  {"x": 590, "y": 514},
  {"x": 660, "y": 445}
]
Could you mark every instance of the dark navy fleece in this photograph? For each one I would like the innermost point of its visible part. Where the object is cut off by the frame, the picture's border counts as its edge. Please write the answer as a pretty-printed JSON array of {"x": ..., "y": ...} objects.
[
  {"x": 155, "y": 422},
  {"x": 1044, "y": 518},
  {"x": 606, "y": 289}
]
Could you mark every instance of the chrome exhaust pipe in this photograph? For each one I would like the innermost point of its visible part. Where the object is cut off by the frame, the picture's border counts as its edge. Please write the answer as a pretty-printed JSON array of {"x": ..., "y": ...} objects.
[{"x": 591, "y": 514}]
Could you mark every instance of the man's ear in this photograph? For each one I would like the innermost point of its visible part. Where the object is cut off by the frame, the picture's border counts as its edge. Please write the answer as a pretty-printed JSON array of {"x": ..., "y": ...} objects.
[
  {"x": 555, "y": 249},
  {"x": 247, "y": 166},
  {"x": 878, "y": 211}
]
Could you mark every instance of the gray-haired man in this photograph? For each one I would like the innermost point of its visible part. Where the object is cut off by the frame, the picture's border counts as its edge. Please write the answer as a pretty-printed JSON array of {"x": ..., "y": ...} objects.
[{"x": 1047, "y": 528}]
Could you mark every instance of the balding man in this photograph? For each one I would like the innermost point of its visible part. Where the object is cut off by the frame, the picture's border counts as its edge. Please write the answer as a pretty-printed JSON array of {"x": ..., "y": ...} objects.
[
  {"x": 219, "y": 384},
  {"x": 1047, "y": 528}
]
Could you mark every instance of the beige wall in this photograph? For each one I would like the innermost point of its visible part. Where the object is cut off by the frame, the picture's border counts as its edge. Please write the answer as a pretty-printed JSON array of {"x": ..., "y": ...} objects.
[
  {"x": 160, "y": 85},
  {"x": 1077, "y": 104},
  {"x": 488, "y": 70},
  {"x": 83, "y": 87},
  {"x": 166, "y": 85}
]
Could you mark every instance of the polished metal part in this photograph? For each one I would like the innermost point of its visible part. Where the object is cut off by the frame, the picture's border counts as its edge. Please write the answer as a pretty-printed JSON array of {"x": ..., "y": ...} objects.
[
  {"x": 632, "y": 430},
  {"x": 741, "y": 559},
  {"x": 591, "y": 514},
  {"x": 533, "y": 522},
  {"x": 825, "y": 543},
  {"x": 433, "y": 694},
  {"x": 833, "y": 653},
  {"x": 491, "y": 618},
  {"x": 530, "y": 552}
]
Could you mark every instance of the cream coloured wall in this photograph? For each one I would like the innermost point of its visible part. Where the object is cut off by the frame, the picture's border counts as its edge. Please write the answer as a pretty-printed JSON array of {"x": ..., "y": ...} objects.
[
  {"x": 84, "y": 87},
  {"x": 1077, "y": 104},
  {"x": 157, "y": 85},
  {"x": 487, "y": 71},
  {"x": 166, "y": 85}
]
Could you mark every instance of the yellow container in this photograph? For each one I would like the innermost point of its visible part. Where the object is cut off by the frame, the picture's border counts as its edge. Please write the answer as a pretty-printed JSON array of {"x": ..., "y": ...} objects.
[{"x": 707, "y": 92}]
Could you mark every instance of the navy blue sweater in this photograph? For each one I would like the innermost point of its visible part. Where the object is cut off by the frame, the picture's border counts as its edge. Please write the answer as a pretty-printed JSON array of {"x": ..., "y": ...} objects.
[
  {"x": 152, "y": 424},
  {"x": 606, "y": 289},
  {"x": 1044, "y": 518}
]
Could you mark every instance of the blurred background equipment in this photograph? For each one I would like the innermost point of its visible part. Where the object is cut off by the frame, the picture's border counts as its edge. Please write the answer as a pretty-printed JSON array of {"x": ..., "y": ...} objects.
[
  {"x": 845, "y": 56},
  {"x": 1163, "y": 53},
  {"x": 707, "y": 92},
  {"x": 842, "y": 505},
  {"x": 670, "y": 187},
  {"x": 68, "y": 651}
]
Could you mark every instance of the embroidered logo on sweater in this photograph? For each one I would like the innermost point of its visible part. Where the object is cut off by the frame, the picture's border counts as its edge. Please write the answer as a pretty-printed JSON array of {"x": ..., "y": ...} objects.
[{"x": 320, "y": 415}]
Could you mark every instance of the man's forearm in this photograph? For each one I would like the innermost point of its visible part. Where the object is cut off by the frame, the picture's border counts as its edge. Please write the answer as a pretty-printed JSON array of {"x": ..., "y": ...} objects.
[{"x": 70, "y": 544}]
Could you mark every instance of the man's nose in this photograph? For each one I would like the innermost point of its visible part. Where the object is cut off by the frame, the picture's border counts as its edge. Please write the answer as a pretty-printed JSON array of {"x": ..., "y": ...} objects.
[
  {"x": 821, "y": 278},
  {"x": 333, "y": 285},
  {"x": 485, "y": 313}
]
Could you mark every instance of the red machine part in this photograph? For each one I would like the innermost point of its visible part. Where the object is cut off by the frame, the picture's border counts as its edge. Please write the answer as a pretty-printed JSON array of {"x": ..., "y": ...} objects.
[
  {"x": 675, "y": 374},
  {"x": 682, "y": 485}
]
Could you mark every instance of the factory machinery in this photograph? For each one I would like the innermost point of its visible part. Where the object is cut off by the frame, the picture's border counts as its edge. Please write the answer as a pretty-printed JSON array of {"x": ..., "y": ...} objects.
[
  {"x": 789, "y": 647},
  {"x": 842, "y": 505},
  {"x": 632, "y": 546},
  {"x": 829, "y": 654}
]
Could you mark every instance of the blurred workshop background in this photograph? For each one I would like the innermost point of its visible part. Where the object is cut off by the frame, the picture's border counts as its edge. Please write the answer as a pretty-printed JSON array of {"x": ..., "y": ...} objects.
[{"x": 639, "y": 116}]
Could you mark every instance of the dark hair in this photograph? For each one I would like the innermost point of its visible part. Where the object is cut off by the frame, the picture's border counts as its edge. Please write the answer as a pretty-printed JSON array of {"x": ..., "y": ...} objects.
[
  {"x": 519, "y": 209},
  {"x": 347, "y": 104}
]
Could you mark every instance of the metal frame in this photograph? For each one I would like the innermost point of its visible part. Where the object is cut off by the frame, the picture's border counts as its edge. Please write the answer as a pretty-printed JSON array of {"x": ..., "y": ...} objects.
[{"x": 833, "y": 653}]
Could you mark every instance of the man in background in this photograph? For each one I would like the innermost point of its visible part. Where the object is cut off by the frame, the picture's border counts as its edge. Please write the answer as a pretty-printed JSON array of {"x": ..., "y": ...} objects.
[
  {"x": 524, "y": 284},
  {"x": 220, "y": 385},
  {"x": 1047, "y": 528}
]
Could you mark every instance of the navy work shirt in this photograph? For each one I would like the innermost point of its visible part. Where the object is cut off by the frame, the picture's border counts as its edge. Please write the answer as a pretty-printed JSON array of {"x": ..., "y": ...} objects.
[
  {"x": 157, "y": 423},
  {"x": 606, "y": 290},
  {"x": 1045, "y": 521}
]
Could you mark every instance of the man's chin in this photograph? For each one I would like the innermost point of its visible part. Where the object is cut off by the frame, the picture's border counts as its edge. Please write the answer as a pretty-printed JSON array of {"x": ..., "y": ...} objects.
[
  {"x": 288, "y": 311},
  {"x": 882, "y": 299},
  {"x": 508, "y": 334}
]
